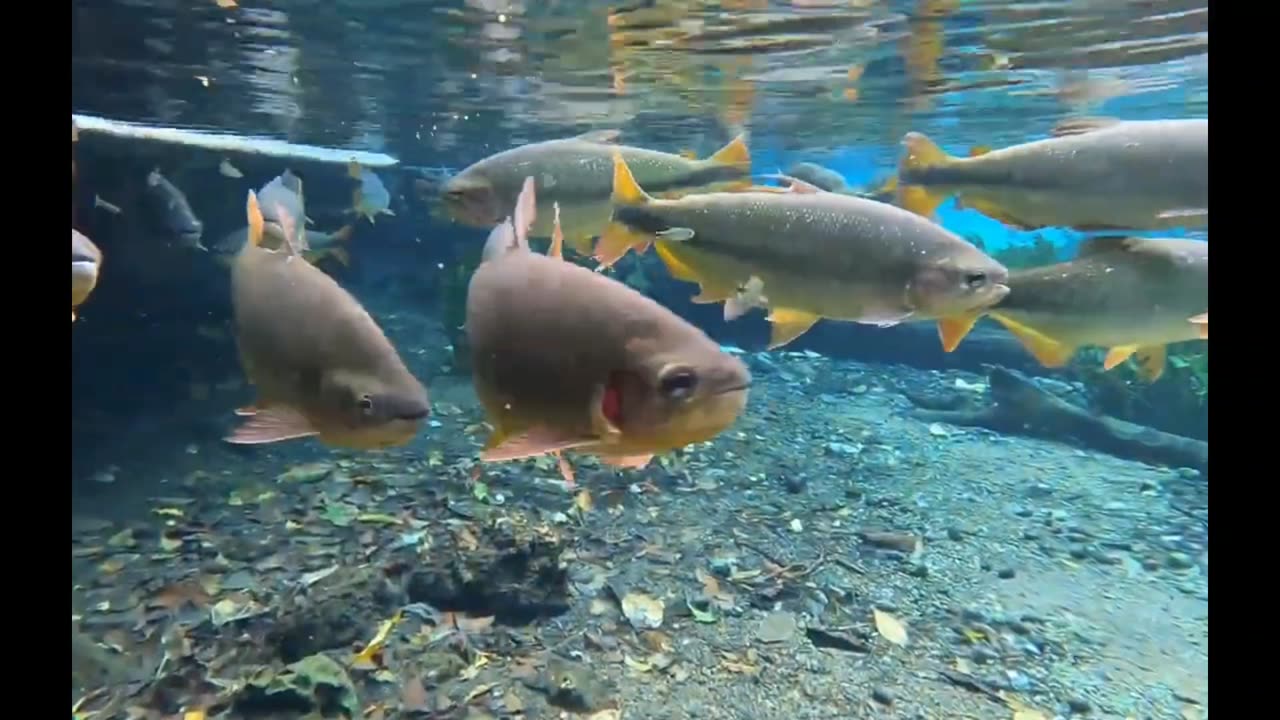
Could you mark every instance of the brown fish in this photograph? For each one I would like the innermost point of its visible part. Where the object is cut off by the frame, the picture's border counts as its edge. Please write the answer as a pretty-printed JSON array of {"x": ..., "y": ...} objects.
[
  {"x": 568, "y": 359},
  {"x": 321, "y": 365},
  {"x": 86, "y": 263},
  {"x": 1131, "y": 295}
]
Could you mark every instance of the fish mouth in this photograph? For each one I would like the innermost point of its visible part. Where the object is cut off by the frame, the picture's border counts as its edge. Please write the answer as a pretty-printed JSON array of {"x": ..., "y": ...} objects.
[
  {"x": 83, "y": 263},
  {"x": 736, "y": 388},
  {"x": 413, "y": 415}
]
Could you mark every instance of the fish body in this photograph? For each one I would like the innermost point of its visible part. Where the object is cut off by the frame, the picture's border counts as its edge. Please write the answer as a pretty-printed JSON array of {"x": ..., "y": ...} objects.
[
  {"x": 817, "y": 175},
  {"x": 86, "y": 263},
  {"x": 811, "y": 254},
  {"x": 371, "y": 198},
  {"x": 1130, "y": 295},
  {"x": 174, "y": 210},
  {"x": 1093, "y": 175},
  {"x": 321, "y": 365},
  {"x": 568, "y": 359},
  {"x": 576, "y": 174}
]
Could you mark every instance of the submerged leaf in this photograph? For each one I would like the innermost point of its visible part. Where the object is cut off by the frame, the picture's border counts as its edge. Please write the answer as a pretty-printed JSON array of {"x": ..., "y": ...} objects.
[{"x": 890, "y": 627}]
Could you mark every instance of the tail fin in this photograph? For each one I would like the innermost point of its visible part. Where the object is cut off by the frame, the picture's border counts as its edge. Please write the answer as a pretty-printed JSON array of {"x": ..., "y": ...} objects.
[
  {"x": 735, "y": 154},
  {"x": 618, "y": 237},
  {"x": 254, "y": 214},
  {"x": 921, "y": 155}
]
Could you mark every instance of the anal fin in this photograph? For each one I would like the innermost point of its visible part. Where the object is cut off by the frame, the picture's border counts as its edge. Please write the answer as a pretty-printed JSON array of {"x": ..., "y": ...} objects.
[
  {"x": 1047, "y": 351},
  {"x": 918, "y": 200},
  {"x": 272, "y": 424},
  {"x": 1117, "y": 355},
  {"x": 787, "y": 324},
  {"x": 616, "y": 240}
]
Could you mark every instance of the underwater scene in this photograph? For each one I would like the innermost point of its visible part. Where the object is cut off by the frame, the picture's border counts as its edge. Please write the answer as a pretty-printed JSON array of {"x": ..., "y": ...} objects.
[{"x": 643, "y": 359}]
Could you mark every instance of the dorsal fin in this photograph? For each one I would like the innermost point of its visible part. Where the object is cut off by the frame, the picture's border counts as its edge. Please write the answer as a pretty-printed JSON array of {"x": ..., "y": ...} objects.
[
  {"x": 254, "y": 214},
  {"x": 525, "y": 213},
  {"x": 1082, "y": 125}
]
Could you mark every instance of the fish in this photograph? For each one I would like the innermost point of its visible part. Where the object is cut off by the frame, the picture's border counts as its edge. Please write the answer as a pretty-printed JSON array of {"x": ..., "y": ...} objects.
[
  {"x": 567, "y": 359},
  {"x": 282, "y": 202},
  {"x": 816, "y": 255},
  {"x": 1130, "y": 295},
  {"x": 822, "y": 177},
  {"x": 86, "y": 263},
  {"x": 1094, "y": 174},
  {"x": 371, "y": 198},
  {"x": 319, "y": 245},
  {"x": 575, "y": 173},
  {"x": 226, "y": 169},
  {"x": 320, "y": 364},
  {"x": 174, "y": 210}
]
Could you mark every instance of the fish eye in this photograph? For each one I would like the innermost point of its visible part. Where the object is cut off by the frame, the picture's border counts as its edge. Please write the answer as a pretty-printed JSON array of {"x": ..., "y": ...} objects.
[
  {"x": 366, "y": 404},
  {"x": 679, "y": 384},
  {"x": 975, "y": 280}
]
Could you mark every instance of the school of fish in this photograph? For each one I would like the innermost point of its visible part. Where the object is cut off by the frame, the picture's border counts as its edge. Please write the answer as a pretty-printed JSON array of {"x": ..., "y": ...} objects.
[{"x": 568, "y": 360}]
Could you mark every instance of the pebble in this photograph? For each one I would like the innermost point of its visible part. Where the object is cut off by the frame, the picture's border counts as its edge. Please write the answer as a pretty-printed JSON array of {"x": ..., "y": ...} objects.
[
  {"x": 1079, "y": 552},
  {"x": 982, "y": 654},
  {"x": 1180, "y": 561},
  {"x": 882, "y": 696},
  {"x": 1079, "y": 706},
  {"x": 1005, "y": 573},
  {"x": 955, "y": 533}
]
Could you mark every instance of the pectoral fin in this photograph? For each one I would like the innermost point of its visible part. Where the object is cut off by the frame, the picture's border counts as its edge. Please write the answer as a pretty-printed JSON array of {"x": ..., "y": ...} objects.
[
  {"x": 271, "y": 424},
  {"x": 954, "y": 329},
  {"x": 788, "y": 324}
]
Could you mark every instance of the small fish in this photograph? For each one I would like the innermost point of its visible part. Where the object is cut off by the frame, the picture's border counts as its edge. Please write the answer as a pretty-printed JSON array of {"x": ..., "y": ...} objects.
[
  {"x": 319, "y": 245},
  {"x": 1133, "y": 296},
  {"x": 576, "y": 174},
  {"x": 283, "y": 204},
  {"x": 371, "y": 198},
  {"x": 86, "y": 263},
  {"x": 1095, "y": 174},
  {"x": 174, "y": 210},
  {"x": 815, "y": 254},
  {"x": 226, "y": 169},
  {"x": 321, "y": 365},
  {"x": 98, "y": 202},
  {"x": 568, "y": 359},
  {"x": 814, "y": 174}
]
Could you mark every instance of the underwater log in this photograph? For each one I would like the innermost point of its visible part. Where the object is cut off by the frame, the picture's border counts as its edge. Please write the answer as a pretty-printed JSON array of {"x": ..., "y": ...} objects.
[{"x": 1020, "y": 407}]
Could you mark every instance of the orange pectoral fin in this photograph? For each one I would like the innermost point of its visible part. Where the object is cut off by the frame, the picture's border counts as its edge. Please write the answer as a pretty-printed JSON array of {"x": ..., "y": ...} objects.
[
  {"x": 532, "y": 443},
  {"x": 631, "y": 462}
]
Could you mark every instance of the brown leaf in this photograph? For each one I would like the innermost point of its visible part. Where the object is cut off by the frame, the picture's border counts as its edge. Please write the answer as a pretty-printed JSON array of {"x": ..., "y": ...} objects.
[{"x": 413, "y": 696}]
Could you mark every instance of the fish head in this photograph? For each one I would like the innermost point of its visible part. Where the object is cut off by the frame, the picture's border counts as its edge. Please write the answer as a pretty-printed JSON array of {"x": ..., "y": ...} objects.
[
  {"x": 473, "y": 199},
  {"x": 86, "y": 261},
  {"x": 190, "y": 231},
  {"x": 958, "y": 283},
  {"x": 687, "y": 394},
  {"x": 373, "y": 411}
]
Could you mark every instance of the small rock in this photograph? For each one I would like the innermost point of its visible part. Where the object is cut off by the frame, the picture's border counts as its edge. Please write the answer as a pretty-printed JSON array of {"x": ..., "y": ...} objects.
[
  {"x": 777, "y": 627},
  {"x": 794, "y": 484},
  {"x": 1079, "y": 706},
  {"x": 1079, "y": 552},
  {"x": 982, "y": 654},
  {"x": 1005, "y": 573},
  {"x": 882, "y": 696},
  {"x": 955, "y": 533},
  {"x": 1179, "y": 561},
  {"x": 1151, "y": 564}
]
